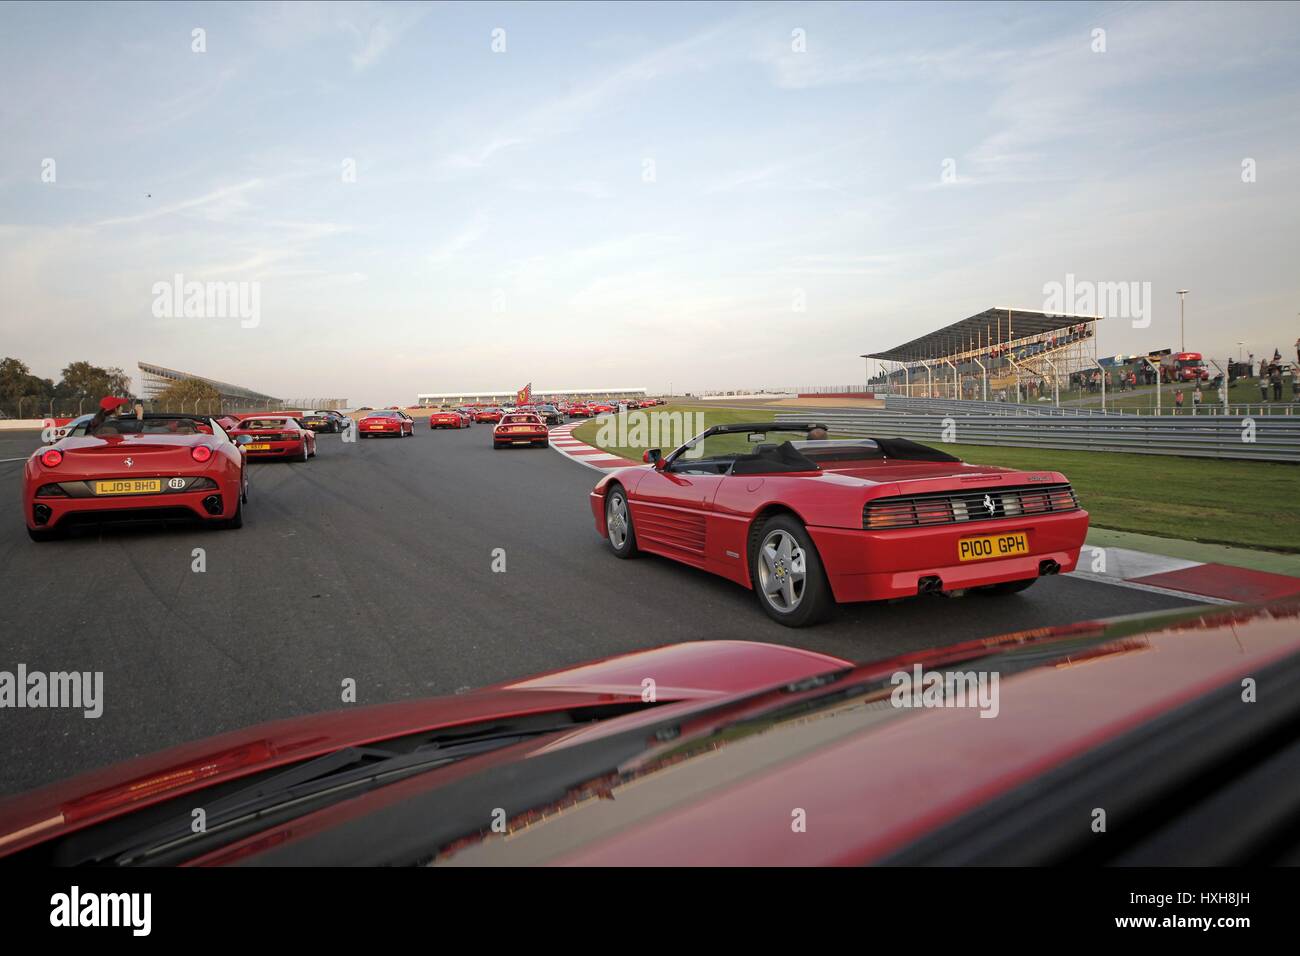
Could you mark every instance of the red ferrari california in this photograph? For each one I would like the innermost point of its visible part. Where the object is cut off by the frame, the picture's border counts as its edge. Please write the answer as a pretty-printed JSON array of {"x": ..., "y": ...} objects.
[
  {"x": 388, "y": 422},
  {"x": 275, "y": 436},
  {"x": 520, "y": 428},
  {"x": 152, "y": 467},
  {"x": 733, "y": 753},
  {"x": 809, "y": 523}
]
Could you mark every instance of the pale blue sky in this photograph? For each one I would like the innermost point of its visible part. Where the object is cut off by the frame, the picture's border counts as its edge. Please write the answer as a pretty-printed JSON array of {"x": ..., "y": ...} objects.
[{"x": 501, "y": 230}]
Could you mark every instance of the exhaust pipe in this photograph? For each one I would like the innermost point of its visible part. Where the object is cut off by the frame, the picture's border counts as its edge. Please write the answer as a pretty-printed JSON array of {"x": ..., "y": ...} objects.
[
  {"x": 1048, "y": 567},
  {"x": 212, "y": 504},
  {"x": 930, "y": 584},
  {"x": 41, "y": 513}
]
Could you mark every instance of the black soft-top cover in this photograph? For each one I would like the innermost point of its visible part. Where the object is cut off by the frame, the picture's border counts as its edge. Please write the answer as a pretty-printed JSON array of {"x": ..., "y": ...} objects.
[{"x": 905, "y": 449}]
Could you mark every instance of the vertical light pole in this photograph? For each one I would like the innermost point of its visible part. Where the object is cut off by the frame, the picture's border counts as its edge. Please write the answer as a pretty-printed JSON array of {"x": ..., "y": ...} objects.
[{"x": 1182, "y": 334}]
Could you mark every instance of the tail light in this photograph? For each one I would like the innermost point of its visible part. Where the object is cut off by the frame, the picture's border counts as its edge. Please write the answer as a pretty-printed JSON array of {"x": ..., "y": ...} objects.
[
  {"x": 51, "y": 457},
  {"x": 200, "y": 453}
]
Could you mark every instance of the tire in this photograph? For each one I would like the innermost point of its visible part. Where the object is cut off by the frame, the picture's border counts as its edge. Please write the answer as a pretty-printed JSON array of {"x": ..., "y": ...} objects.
[
  {"x": 305, "y": 456},
  {"x": 313, "y": 450},
  {"x": 234, "y": 521},
  {"x": 1006, "y": 587},
  {"x": 616, "y": 504},
  {"x": 780, "y": 550}
]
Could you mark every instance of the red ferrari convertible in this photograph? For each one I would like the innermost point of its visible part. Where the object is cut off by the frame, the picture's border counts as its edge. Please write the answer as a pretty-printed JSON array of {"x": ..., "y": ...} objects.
[
  {"x": 807, "y": 523},
  {"x": 388, "y": 422},
  {"x": 275, "y": 436},
  {"x": 520, "y": 428},
  {"x": 488, "y": 416},
  {"x": 449, "y": 419},
  {"x": 154, "y": 467},
  {"x": 749, "y": 754}
]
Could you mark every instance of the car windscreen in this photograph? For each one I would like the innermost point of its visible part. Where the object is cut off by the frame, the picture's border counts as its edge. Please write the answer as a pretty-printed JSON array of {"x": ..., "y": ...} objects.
[{"x": 148, "y": 426}]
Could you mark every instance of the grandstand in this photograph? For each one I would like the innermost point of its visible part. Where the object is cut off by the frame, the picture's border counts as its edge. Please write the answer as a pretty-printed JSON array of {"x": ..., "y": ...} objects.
[
  {"x": 154, "y": 380},
  {"x": 999, "y": 354}
]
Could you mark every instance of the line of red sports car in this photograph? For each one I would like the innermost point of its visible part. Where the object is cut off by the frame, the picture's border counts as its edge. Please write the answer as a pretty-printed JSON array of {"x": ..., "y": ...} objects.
[{"x": 802, "y": 520}]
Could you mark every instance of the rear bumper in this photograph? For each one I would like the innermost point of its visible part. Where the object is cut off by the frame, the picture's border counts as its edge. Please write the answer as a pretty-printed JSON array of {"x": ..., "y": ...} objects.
[
  {"x": 278, "y": 449},
  {"x": 879, "y": 565},
  {"x": 65, "y": 512},
  {"x": 520, "y": 438}
]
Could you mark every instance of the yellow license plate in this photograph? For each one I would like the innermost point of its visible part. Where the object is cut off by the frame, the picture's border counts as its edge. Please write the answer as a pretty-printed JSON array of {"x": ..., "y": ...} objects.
[
  {"x": 129, "y": 486},
  {"x": 258, "y": 447},
  {"x": 993, "y": 546},
  {"x": 521, "y": 428},
  {"x": 376, "y": 428}
]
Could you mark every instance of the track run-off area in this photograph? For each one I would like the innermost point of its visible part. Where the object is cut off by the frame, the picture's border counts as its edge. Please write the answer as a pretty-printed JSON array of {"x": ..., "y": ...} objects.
[{"x": 373, "y": 563}]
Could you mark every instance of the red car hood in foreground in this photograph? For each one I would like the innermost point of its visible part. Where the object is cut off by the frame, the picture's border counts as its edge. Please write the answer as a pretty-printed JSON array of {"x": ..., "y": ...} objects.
[
  {"x": 755, "y": 754},
  {"x": 682, "y": 672}
]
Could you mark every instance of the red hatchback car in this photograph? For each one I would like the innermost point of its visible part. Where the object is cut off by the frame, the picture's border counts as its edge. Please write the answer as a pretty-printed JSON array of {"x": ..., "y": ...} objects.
[
  {"x": 520, "y": 428},
  {"x": 808, "y": 523},
  {"x": 275, "y": 436},
  {"x": 1142, "y": 717},
  {"x": 393, "y": 422},
  {"x": 156, "y": 466}
]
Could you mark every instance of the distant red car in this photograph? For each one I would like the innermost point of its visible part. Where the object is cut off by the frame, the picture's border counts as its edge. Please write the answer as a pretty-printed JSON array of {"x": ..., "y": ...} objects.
[
  {"x": 275, "y": 436},
  {"x": 742, "y": 740},
  {"x": 806, "y": 524},
  {"x": 520, "y": 428},
  {"x": 578, "y": 410},
  {"x": 393, "y": 422},
  {"x": 160, "y": 466},
  {"x": 488, "y": 415},
  {"x": 451, "y": 419}
]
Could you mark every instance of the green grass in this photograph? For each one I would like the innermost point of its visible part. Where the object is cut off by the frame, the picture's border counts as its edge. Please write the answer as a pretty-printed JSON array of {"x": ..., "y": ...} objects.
[
  {"x": 1243, "y": 503},
  {"x": 589, "y": 430}
]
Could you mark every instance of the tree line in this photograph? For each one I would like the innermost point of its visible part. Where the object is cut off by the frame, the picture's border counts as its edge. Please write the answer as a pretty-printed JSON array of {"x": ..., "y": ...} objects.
[{"x": 80, "y": 387}]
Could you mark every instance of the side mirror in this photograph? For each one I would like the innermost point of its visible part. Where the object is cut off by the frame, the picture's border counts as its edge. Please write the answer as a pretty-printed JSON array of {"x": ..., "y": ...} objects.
[{"x": 652, "y": 456}]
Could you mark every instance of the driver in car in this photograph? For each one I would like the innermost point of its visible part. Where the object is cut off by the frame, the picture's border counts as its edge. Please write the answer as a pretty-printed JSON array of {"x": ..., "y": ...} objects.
[
  {"x": 817, "y": 433},
  {"x": 107, "y": 406}
]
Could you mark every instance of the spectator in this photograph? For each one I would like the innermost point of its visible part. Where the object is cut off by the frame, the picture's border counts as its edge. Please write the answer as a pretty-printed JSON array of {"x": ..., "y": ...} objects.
[
  {"x": 1196, "y": 398},
  {"x": 1178, "y": 400},
  {"x": 1295, "y": 383},
  {"x": 1263, "y": 386},
  {"x": 1275, "y": 376}
]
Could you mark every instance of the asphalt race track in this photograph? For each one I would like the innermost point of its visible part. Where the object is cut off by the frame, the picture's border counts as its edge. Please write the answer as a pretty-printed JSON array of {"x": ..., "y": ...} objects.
[{"x": 373, "y": 562}]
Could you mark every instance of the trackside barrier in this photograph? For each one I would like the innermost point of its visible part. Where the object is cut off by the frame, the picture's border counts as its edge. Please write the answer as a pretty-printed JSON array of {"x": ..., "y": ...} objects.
[{"x": 1268, "y": 438}]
